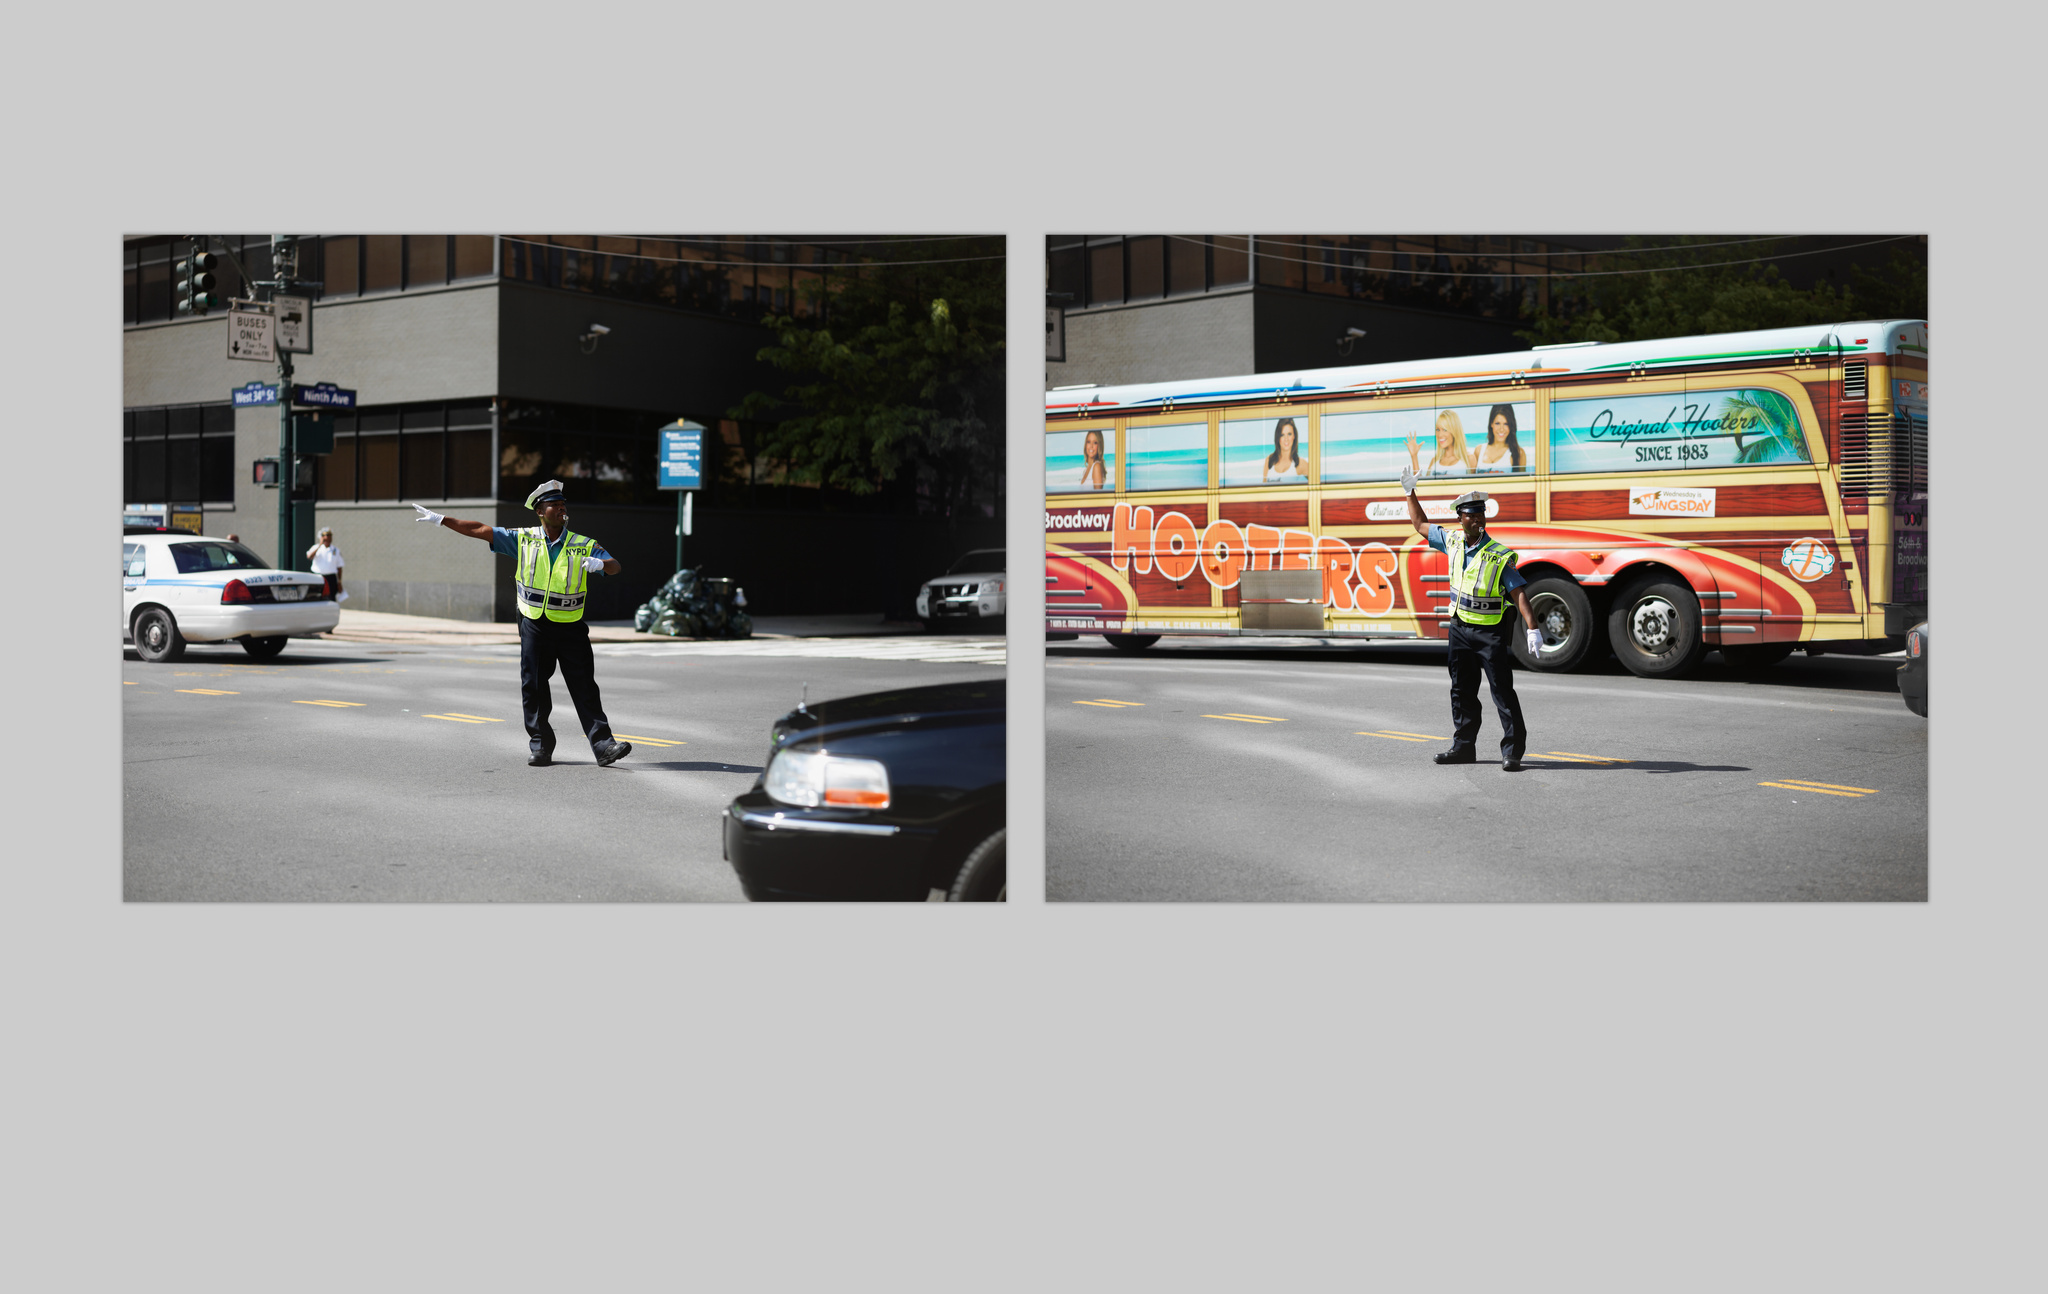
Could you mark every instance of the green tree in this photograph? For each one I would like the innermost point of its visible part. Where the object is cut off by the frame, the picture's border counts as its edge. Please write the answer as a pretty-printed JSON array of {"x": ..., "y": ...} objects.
[
  {"x": 1674, "y": 299},
  {"x": 896, "y": 384}
]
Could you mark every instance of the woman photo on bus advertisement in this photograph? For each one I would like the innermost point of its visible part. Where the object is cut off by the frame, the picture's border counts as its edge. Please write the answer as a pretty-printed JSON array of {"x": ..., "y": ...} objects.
[
  {"x": 1501, "y": 452},
  {"x": 1451, "y": 458},
  {"x": 1284, "y": 463},
  {"x": 1093, "y": 472}
]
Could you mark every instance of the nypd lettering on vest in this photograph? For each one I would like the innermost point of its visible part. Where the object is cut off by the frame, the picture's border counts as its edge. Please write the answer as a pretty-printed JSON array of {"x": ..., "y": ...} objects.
[
  {"x": 1477, "y": 587},
  {"x": 556, "y": 589}
]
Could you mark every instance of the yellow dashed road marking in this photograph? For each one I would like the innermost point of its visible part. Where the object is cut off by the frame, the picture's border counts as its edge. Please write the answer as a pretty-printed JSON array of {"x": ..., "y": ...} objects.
[
  {"x": 1246, "y": 718},
  {"x": 1830, "y": 786},
  {"x": 332, "y": 703},
  {"x": 1397, "y": 736},
  {"x": 1590, "y": 759},
  {"x": 1787, "y": 786},
  {"x": 459, "y": 718},
  {"x": 127, "y": 682},
  {"x": 1106, "y": 703},
  {"x": 652, "y": 741},
  {"x": 207, "y": 691}
]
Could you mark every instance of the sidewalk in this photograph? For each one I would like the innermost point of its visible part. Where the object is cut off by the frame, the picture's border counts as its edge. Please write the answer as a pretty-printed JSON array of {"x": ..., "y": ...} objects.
[{"x": 389, "y": 627}]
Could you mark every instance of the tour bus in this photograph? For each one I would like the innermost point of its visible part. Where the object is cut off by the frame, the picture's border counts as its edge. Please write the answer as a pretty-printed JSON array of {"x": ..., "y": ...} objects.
[{"x": 1748, "y": 493}]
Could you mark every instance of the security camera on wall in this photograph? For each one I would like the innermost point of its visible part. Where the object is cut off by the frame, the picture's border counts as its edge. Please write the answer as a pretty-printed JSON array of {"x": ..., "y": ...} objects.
[{"x": 599, "y": 330}]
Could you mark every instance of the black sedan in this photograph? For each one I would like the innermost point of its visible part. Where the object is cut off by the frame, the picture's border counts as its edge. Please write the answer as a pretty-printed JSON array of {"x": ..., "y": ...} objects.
[
  {"x": 890, "y": 795},
  {"x": 1913, "y": 674}
]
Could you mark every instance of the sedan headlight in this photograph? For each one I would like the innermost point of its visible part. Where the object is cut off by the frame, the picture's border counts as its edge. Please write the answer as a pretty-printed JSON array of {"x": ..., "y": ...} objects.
[{"x": 811, "y": 778}]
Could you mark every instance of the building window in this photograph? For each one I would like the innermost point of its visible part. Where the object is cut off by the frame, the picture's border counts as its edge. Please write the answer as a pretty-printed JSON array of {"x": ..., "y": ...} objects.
[
  {"x": 1147, "y": 260},
  {"x": 472, "y": 255},
  {"x": 1186, "y": 266},
  {"x": 1106, "y": 272},
  {"x": 341, "y": 273},
  {"x": 383, "y": 263},
  {"x": 1230, "y": 259},
  {"x": 426, "y": 260},
  {"x": 179, "y": 454}
]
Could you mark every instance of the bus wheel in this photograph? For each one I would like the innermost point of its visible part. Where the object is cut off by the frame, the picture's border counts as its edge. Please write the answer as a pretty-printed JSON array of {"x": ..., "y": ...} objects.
[
  {"x": 1754, "y": 656},
  {"x": 1131, "y": 642},
  {"x": 1655, "y": 629},
  {"x": 1565, "y": 615}
]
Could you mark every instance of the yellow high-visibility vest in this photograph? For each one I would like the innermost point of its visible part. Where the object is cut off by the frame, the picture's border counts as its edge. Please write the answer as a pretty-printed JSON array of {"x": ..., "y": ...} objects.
[
  {"x": 556, "y": 589},
  {"x": 1476, "y": 588}
]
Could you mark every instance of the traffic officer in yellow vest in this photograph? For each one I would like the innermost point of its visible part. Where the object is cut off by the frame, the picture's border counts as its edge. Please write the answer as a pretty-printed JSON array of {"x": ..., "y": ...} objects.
[
  {"x": 555, "y": 566},
  {"x": 1483, "y": 578}
]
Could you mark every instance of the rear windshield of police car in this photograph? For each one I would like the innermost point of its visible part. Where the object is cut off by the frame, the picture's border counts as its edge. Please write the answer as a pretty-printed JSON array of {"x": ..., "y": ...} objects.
[{"x": 215, "y": 555}]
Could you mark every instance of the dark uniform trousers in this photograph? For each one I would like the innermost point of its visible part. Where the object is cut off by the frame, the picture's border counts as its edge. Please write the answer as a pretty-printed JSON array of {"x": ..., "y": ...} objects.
[
  {"x": 1476, "y": 648},
  {"x": 543, "y": 644}
]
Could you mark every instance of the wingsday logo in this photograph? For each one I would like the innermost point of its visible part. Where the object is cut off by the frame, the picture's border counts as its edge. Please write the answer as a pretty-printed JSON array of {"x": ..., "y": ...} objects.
[{"x": 1671, "y": 503}]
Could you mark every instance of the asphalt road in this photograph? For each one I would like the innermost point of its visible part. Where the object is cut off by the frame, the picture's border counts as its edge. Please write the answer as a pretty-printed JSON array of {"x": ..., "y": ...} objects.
[
  {"x": 347, "y": 772},
  {"x": 1205, "y": 772}
]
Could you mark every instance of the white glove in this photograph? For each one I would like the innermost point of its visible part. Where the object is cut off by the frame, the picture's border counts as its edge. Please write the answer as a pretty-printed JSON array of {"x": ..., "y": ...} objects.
[
  {"x": 1535, "y": 642},
  {"x": 595, "y": 565},
  {"x": 431, "y": 517},
  {"x": 1408, "y": 479}
]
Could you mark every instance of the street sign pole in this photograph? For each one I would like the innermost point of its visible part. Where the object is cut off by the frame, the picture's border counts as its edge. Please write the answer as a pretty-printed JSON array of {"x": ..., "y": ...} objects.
[
  {"x": 679, "y": 467},
  {"x": 286, "y": 468}
]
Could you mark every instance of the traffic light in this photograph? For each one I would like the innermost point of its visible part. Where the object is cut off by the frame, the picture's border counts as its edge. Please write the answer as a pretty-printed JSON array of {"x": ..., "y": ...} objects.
[{"x": 196, "y": 283}]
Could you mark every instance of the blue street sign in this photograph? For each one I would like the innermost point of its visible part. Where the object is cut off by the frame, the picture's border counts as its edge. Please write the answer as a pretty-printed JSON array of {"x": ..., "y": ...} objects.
[
  {"x": 682, "y": 455},
  {"x": 325, "y": 394},
  {"x": 253, "y": 393}
]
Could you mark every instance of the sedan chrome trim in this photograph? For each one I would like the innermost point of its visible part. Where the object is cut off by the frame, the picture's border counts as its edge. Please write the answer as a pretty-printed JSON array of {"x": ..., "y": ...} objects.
[{"x": 778, "y": 821}]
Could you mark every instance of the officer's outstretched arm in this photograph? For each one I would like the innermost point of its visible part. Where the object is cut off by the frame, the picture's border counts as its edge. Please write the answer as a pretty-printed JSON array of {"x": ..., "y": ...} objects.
[
  {"x": 474, "y": 529},
  {"x": 1415, "y": 516}
]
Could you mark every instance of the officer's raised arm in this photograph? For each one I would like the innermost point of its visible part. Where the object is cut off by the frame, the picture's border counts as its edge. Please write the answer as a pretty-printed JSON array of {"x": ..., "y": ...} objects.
[
  {"x": 1415, "y": 516},
  {"x": 474, "y": 529}
]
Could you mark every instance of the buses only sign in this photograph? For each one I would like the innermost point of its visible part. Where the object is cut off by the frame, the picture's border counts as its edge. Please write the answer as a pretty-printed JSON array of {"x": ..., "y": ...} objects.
[{"x": 250, "y": 333}]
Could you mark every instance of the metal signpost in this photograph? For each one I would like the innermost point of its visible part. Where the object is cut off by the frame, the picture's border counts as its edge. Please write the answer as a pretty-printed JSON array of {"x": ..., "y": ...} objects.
[{"x": 680, "y": 468}]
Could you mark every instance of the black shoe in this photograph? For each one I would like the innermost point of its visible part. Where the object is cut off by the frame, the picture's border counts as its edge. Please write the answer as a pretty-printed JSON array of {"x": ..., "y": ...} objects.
[
  {"x": 1456, "y": 756},
  {"x": 612, "y": 752},
  {"x": 1511, "y": 764},
  {"x": 540, "y": 759}
]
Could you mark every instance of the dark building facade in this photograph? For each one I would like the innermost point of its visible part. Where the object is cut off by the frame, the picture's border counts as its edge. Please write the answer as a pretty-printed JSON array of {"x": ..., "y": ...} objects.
[
  {"x": 1160, "y": 307},
  {"x": 478, "y": 374}
]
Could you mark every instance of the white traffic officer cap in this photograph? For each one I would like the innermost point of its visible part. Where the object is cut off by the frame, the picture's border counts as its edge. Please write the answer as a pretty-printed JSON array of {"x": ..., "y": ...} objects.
[
  {"x": 543, "y": 492},
  {"x": 1476, "y": 500}
]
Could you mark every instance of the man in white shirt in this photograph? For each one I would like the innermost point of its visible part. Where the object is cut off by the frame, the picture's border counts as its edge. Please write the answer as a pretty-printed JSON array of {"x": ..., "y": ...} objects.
[{"x": 326, "y": 559}]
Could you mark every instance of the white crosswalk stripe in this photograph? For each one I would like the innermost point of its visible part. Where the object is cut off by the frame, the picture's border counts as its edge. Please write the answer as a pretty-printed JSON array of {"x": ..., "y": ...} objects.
[{"x": 939, "y": 650}]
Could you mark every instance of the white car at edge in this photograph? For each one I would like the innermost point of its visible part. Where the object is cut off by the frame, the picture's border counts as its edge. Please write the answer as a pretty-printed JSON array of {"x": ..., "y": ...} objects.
[
  {"x": 179, "y": 588},
  {"x": 970, "y": 590}
]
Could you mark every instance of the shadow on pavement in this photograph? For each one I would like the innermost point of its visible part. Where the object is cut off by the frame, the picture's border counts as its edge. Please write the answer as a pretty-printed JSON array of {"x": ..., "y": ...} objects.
[
  {"x": 1630, "y": 766},
  {"x": 194, "y": 655},
  {"x": 691, "y": 766}
]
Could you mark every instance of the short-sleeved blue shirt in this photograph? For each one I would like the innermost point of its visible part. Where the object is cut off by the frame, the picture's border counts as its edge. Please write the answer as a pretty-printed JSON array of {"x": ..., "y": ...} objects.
[
  {"x": 507, "y": 542},
  {"x": 1509, "y": 582}
]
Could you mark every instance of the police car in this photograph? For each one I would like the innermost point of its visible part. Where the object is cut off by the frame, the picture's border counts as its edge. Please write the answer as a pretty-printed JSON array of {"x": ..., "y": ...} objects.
[
  {"x": 178, "y": 588},
  {"x": 972, "y": 590}
]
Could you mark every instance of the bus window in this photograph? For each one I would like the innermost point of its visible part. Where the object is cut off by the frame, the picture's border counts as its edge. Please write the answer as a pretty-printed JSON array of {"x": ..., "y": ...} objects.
[
  {"x": 1266, "y": 451},
  {"x": 1374, "y": 446},
  {"x": 1080, "y": 460},
  {"x": 1718, "y": 428},
  {"x": 1173, "y": 457},
  {"x": 1502, "y": 437}
]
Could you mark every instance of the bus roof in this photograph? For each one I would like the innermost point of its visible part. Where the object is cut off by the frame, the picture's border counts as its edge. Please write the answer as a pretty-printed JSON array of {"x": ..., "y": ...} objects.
[{"x": 1860, "y": 336}]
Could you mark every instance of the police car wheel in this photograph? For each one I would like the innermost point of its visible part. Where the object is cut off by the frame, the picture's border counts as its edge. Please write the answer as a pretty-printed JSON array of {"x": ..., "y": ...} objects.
[
  {"x": 1654, "y": 627},
  {"x": 983, "y": 876},
  {"x": 156, "y": 636},
  {"x": 264, "y": 648},
  {"x": 1565, "y": 615}
]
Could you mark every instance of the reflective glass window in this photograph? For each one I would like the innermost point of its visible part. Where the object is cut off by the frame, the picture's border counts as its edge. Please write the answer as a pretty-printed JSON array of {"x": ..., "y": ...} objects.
[
  {"x": 472, "y": 255},
  {"x": 1266, "y": 451},
  {"x": 379, "y": 466},
  {"x": 1697, "y": 429},
  {"x": 383, "y": 262},
  {"x": 469, "y": 463},
  {"x": 1173, "y": 457},
  {"x": 1080, "y": 460},
  {"x": 426, "y": 260}
]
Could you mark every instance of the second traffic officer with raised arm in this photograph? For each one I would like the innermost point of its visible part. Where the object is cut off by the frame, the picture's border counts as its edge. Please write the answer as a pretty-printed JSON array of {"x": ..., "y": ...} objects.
[
  {"x": 1483, "y": 578},
  {"x": 555, "y": 566}
]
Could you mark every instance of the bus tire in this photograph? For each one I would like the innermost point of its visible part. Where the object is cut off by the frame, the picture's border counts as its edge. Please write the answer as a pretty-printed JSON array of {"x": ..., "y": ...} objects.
[
  {"x": 1654, "y": 626},
  {"x": 1754, "y": 656},
  {"x": 1565, "y": 615},
  {"x": 1131, "y": 642}
]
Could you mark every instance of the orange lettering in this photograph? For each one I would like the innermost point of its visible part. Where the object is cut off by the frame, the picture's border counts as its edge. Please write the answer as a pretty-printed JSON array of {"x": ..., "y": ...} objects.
[
  {"x": 1338, "y": 563},
  {"x": 1223, "y": 553},
  {"x": 1264, "y": 543},
  {"x": 1131, "y": 538},
  {"x": 1296, "y": 551},
  {"x": 1175, "y": 547},
  {"x": 1376, "y": 562}
]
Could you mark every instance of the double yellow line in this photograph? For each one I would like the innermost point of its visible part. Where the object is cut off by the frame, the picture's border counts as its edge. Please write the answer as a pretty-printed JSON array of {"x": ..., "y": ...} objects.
[
  {"x": 1106, "y": 703},
  {"x": 1821, "y": 788},
  {"x": 1246, "y": 718}
]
